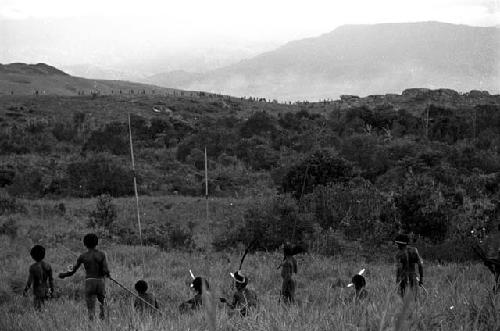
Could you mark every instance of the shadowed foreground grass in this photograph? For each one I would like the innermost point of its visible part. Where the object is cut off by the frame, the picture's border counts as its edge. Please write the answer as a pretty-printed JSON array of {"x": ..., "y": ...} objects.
[{"x": 458, "y": 295}]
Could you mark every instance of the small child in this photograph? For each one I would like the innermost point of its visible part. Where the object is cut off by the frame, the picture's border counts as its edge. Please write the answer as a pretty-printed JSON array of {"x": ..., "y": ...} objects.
[
  {"x": 96, "y": 269},
  {"x": 140, "y": 305},
  {"x": 288, "y": 268},
  {"x": 199, "y": 285},
  {"x": 244, "y": 298},
  {"x": 40, "y": 276},
  {"x": 359, "y": 283}
]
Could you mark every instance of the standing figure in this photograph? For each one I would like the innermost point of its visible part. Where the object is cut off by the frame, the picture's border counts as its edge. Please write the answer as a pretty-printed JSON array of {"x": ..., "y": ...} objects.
[
  {"x": 288, "y": 268},
  {"x": 140, "y": 304},
  {"x": 96, "y": 269},
  {"x": 40, "y": 276},
  {"x": 407, "y": 258},
  {"x": 199, "y": 285},
  {"x": 244, "y": 298}
]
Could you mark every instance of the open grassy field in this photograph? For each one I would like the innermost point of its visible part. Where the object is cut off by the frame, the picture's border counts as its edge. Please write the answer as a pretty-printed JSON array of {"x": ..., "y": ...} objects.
[{"x": 458, "y": 294}]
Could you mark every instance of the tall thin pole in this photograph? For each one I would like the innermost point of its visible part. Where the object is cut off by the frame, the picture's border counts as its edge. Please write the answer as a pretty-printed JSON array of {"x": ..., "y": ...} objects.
[
  {"x": 427, "y": 124},
  {"x": 206, "y": 185},
  {"x": 135, "y": 188}
]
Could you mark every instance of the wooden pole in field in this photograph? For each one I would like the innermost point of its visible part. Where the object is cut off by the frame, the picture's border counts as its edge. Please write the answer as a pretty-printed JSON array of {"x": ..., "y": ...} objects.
[
  {"x": 135, "y": 189},
  {"x": 206, "y": 186}
]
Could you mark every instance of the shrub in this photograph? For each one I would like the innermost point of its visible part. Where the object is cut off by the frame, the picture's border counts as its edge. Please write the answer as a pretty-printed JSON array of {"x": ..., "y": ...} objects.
[
  {"x": 27, "y": 183},
  {"x": 424, "y": 208},
  {"x": 259, "y": 124},
  {"x": 356, "y": 208},
  {"x": 271, "y": 222},
  {"x": 99, "y": 174},
  {"x": 319, "y": 168},
  {"x": 112, "y": 139},
  {"x": 9, "y": 228},
  {"x": 104, "y": 214},
  {"x": 64, "y": 131},
  {"x": 9, "y": 205}
]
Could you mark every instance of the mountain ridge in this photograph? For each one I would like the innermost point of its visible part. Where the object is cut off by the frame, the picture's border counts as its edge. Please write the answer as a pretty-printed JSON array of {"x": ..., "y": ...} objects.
[
  {"x": 23, "y": 78},
  {"x": 362, "y": 59}
]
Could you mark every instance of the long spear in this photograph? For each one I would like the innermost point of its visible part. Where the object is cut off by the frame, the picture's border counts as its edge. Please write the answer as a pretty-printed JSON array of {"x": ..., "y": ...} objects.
[
  {"x": 135, "y": 189},
  {"x": 135, "y": 295}
]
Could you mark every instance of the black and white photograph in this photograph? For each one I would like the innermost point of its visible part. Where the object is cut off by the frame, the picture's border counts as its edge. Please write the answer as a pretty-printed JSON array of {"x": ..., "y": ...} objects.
[{"x": 264, "y": 165}]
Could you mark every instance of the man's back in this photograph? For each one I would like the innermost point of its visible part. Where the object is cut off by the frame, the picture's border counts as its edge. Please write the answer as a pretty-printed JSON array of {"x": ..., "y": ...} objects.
[
  {"x": 406, "y": 261},
  {"x": 95, "y": 264}
]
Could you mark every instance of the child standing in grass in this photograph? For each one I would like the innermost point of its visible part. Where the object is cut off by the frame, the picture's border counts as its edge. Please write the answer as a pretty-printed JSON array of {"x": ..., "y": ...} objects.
[
  {"x": 40, "y": 276},
  {"x": 288, "y": 268},
  {"x": 146, "y": 301},
  {"x": 96, "y": 269}
]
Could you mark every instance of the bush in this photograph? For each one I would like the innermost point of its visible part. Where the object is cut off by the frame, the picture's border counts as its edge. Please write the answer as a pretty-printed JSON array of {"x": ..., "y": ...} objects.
[
  {"x": 29, "y": 183},
  {"x": 100, "y": 174},
  {"x": 113, "y": 139},
  {"x": 259, "y": 124},
  {"x": 9, "y": 205},
  {"x": 104, "y": 214},
  {"x": 319, "y": 168},
  {"x": 356, "y": 208},
  {"x": 9, "y": 228},
  {"x": 425, "y": 209},
  {"x": 273, "y": 222}
]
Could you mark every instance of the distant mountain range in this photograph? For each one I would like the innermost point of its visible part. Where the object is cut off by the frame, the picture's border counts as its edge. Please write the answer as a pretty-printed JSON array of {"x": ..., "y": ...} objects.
[
  {"x": 22, "y": 78},
  {"x": 361, "y": 60}
]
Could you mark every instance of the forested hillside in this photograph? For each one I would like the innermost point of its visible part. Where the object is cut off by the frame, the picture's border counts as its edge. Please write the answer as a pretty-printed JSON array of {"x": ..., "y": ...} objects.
[{"x": 426, "y": 162}]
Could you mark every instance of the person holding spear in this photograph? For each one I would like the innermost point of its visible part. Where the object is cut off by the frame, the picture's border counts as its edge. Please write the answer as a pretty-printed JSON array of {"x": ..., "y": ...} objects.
[{"x": 96, "y": 270}]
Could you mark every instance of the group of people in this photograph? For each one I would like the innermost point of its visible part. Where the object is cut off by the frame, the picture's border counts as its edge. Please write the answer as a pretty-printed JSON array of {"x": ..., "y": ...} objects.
[{"x": 244, "y": 299}]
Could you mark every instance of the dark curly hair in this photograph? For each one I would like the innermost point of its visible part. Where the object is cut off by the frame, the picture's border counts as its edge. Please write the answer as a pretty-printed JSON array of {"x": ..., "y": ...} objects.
[
  {"x": 90, "y": 240},
  {"x": 358, "y": 281},
  {"x": 38, "y": 253},
  {"x": 141, "y": 286},
  {"x": 199, "y": 283}
]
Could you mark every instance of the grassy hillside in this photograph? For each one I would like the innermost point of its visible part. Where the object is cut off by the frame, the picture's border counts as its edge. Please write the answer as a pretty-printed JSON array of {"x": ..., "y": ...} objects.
[
  {"x": 425, "y": 162},
  {"x": 42, "y": 79}
]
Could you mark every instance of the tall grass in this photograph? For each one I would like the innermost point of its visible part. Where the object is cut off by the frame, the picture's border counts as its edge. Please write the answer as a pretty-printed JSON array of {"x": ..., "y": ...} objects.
[{"x": 458, "y": 295}]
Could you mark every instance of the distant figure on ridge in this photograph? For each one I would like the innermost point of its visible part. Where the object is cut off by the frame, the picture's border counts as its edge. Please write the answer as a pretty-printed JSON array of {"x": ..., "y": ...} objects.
[
  {"x": 96, "y": 269},
  {"x": 407, "y": 258},
  {"x": 40, "y": 276},
  {"x": 244, "y": 298},
  {"x": 140, "y": 305}
]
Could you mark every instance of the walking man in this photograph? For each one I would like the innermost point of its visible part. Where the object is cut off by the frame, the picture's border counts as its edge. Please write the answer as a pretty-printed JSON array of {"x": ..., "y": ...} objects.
[{"x": 407, "y": 258}]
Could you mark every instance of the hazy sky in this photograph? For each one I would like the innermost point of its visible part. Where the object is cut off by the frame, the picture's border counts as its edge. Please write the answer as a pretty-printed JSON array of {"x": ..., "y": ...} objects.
[{"x": 109, "y": 32}]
